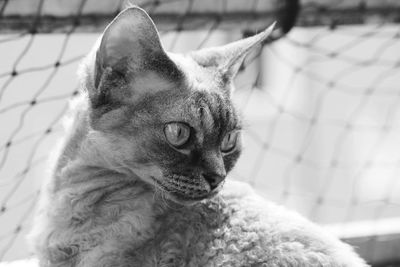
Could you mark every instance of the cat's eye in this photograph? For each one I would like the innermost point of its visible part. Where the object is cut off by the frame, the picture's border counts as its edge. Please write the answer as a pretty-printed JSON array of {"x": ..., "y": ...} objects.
[
  {"x": 229, "y": 142},
  {"x": 177, "y": 133}
]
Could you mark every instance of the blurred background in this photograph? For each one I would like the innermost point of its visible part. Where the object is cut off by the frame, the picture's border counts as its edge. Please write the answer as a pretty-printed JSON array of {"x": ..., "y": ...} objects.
[{"x": 320, "y": 100}]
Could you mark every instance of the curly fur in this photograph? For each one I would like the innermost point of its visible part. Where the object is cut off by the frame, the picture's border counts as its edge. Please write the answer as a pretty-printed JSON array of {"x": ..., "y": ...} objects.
[{"x": 238, "y": 228}]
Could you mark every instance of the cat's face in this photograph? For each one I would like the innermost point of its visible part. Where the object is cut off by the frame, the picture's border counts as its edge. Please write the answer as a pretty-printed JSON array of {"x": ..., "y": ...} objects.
[
  {"x": 168, "y": 118},
  {"x": 183, "y": 142}
]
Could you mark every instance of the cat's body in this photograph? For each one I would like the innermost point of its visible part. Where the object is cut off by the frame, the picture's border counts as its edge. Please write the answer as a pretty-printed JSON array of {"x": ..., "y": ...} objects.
[{"x": 150, "y": 143}]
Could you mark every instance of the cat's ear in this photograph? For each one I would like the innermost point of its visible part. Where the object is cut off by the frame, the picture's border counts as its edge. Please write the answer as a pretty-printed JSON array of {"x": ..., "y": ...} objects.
[
  {"x": 130, "y": 49},
  {"x": 228, "y": 58}
]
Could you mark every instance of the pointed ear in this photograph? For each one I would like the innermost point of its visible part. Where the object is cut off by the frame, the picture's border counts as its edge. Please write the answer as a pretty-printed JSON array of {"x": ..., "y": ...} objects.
[
  {"x": 129, "y": 49},
  {"x": 228, "y": 58}
]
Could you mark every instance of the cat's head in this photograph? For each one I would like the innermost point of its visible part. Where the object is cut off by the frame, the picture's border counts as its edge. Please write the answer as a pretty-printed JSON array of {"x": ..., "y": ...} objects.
[{"x": 168, "y": 118}]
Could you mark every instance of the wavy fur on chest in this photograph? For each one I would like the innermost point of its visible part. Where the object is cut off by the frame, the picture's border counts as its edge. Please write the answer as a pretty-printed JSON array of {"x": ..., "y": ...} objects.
[{"x": 123, "y": 226}]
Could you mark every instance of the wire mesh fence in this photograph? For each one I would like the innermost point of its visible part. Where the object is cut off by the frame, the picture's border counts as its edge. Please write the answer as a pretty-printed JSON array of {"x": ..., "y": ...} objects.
[{"x": 321, "y": 106}]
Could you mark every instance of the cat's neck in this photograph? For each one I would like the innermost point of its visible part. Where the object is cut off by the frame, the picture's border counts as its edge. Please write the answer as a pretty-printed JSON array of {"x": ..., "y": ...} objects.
[
  {"x": 78, "y": 151},
  {"x": 81, "y": 161}
]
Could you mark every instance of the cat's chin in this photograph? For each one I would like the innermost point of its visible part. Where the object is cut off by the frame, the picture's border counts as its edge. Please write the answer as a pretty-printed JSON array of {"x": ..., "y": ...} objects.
[
  {"x": 187, "y": 200},
  {"x": 182, "y": 198}
]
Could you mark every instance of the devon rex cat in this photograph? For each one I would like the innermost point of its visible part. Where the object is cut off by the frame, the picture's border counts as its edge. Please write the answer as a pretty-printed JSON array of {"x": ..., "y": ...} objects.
[{"x": 137, "y": 180}]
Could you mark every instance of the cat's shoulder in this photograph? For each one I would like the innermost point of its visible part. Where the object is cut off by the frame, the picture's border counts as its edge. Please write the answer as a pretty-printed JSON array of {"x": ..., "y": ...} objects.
[{"x": 260, "y": 230}]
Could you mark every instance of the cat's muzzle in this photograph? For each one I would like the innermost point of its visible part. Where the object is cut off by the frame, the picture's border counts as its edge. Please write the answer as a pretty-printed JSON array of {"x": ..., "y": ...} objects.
[{"x": 183, "y": 188}]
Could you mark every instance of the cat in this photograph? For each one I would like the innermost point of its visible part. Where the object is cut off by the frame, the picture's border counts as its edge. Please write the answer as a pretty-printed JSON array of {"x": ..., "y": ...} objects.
[{"x": 140, "y": 177}]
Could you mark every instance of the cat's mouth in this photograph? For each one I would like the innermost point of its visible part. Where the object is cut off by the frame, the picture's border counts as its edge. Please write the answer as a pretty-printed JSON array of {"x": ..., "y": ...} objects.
[{"x": 184, "y": 189}]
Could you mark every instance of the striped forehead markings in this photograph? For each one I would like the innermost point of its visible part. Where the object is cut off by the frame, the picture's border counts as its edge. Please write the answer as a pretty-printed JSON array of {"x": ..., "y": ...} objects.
[
  {"x": 205, "y": 113},
  {"x": 213, "y": 112}
]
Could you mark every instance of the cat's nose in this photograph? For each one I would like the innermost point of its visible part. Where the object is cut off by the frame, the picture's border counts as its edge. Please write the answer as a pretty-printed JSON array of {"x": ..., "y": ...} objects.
[{"x": 213, "y": 179}]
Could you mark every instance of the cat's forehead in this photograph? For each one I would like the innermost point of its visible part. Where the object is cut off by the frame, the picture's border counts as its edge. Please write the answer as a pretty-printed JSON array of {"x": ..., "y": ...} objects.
[
  {"x": 202, "y": 101},
  {"x": 205, "y": 111},
  {"x": 197, "y": 78},
  {"x": 198, "y": 99}
]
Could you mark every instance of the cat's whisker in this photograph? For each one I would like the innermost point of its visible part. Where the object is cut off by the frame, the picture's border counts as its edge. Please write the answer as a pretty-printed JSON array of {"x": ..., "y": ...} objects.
[
  {"x": 155, "y": 193},
  {"x": 159, "y": 191},
  {"x": 164, "y": 200}
]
